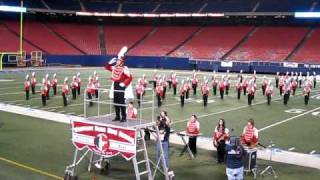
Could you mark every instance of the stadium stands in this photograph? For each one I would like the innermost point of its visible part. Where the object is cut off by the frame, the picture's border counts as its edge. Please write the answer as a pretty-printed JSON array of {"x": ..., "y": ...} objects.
[
  {"x": 64, "y": 4},
  {"x": 40, "y": 36},
  {"x": 138, "y": 7},
  {"x": 230, "y": 6},
  {"x": 269, "y": 43},
  {"x": 84, "y": 37},
  {"x": 101, "y": 6},
  {"x": 213, "y": 42},
  {"x": 309, "y": 52},
  {"x": 179, "y": 7},
  {"x": 9, "y": 42},
  {"x": 119, "y": 36},
  {"x": 162, "y": 41},
  {"x": 285, "y": 5}
]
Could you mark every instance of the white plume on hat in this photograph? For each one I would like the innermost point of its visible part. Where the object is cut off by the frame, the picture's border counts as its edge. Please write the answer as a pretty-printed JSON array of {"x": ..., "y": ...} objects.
[
  {"x": 33, "y": 74},
  {"x": 43, "y": 80},
  {"x": 122, "y": 52},
  {"x": 54, "y": 75},
  {"x": 27, "y": 76},
  {"x": 78, "y": 74},
  {"x": 65, "y": 79}
]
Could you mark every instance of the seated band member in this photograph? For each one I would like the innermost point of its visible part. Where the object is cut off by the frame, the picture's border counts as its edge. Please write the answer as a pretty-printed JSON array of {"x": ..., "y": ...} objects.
[
  {"x": 249, "y": 136},
  {"x": 131, "y": 111},
  {"x": 193, "y": 131},
  {"x": 220, "y": 136}
]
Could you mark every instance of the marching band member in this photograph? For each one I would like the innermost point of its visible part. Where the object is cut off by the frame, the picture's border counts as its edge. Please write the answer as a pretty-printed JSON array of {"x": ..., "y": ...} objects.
[
  {"x": 214, "y": 83},
  {"x": 300, "y": 79},
  {"x": 144, "y": 81},
  {"x": 294, "y": 85},
  {"x": 314, "y": 79},
  {"x": 169, "y": 80},
  {"x": 65, "y": 91},
  {"x": 121, "y": 88},
  {"x": 244, "y": 86},
  {"x": 164, "y": 86},
  {"x": 44, "y": 91},
  {"x": 48, "y": 83},
  {"x": 154, "y": 79},
  {"x": 220, "y": 136},
  {"x": 131, "y": 111},
  {"x": 193, "y": 131},
  {"x": 90, "y": 90},
  {"x": 205, "y": 92},
  {"x": 277, "y": 79},
  {"x": 254, "y": 76},
  {"x": 286, "y": 91},
  {"x": 33, "y": 82},
  {"x": 79, "y": 82},
  {"x": 281, "y": 84},
  {"x": 264, "y": 85},
  {"x": 194, "y": 83},
  {"x": 54, "y": 83},
  {"x": 240, "y": 76},
  {"x": 227, "y": 83},
  {"x": 188, "y": 87},
  {"x": 239, "y": 88},
  {"x": 251, "y": 91},
  {"x": 221, "y": 87},
  {"x": 174, "y": 83},
  {"x": 159, "y": 92},
  {"x": 306, "y": 93},
  {"x": 97, "y": 86},
  {"x": 249, "y": 136},
  {"x": 269, "y": 92},
  {"x": 139, "y": 91},
  {"x": 27, "y": 86},
  {"x": 74, "y": 87},
  {"x": 182, "y": 92}
]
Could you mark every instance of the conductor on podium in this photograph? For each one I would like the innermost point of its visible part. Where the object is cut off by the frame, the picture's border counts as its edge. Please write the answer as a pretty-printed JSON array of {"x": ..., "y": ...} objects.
[{"x": 121, "y": 88}]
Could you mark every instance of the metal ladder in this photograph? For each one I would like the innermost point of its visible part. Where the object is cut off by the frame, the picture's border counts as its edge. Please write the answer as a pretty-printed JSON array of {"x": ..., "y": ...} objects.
[{"x": 142, "y": 148}]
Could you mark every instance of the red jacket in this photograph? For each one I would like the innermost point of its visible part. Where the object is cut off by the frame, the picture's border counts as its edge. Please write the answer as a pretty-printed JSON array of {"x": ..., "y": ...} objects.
[
  {"x": 119, "y": 74},
  {"x": 27, "y": 85}
]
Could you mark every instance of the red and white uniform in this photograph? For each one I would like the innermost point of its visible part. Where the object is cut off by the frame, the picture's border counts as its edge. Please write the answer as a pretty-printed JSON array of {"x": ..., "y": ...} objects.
[
  {"x": 65, "y": 89},
  {"x": 139, "y": 89},
  {"x": 214, "y": 82},
  {"x": 250, "y": 135},
  {"x": 239, "y": 86},
  {"x": 132, "y": 112},
  {"x": 306, "y": 90},
  {"x": 26, "y": 85},
  {"x": 96, "y": 84},
  {"x": 183, "y": 90},
  {"x": 205, "y": 89},
  {"x": 159, "y": 90},
  {"x": 78, "y": 79},
  {"x": 90, "y": 87},
  {"x": 121, "y": 74},
  {"x": 269, "y": 90},
  {"x": 54, "y": 82},
  {"x": 251, "y": 89},
  {"x": 144, "y": 82},
  {"x": 194, "y": 81},
  {"x": 264, "y": 83},
  {"x": 245, "y": 84},
  {"x": 193, "y": 128},
  {"x": 220, "y": 134},
  {"x": 174, "y": 80},
  {"x": 74, "y": 84},
  {"x": 287, "y": 88},
  {"x": 33, "y": 81},
  {"x": 221, "y": 85},
  {"x": 44, "y": 89}
]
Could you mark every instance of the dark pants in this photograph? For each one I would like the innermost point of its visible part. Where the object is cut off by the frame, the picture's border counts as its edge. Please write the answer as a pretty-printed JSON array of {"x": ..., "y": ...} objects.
[
  {"x": 300, "y": 82},
  {"x": 194, "y": 87},
  {"x": 192, "y": 145},
  {"x": 174, "y": 89},
  {"x": 221, "y": 151},
  {"x": 170, "y": 84},
  {"x": 147, "y": 135},
  {"x": 54, "y": 90},
  {"x": 187, "y": 94},
  {"x": 221, "y": 93},
  {"x": 27, "y": 94},
  {"x": 90, "y": 98},
  {"x": 239, "y": 93},
  {"x": 263, "y": 90},
  {"x": 214, "y": 90},
  {"x": 154, "y": 84},
  {"x": 205, "y": 99},
  {"x": 65, "y": 102},
  {"x": 182, "y": 100},
  {"x": 44, "y": 99},
  {"x": 48, "y": 94},
  {"x": 269, "y": 99},
  {"x": 277, "y": 83},
  {"x": 314, "y": 84},
  {"x": 281, "y": 92},
  {"x": 139, "y": 99},
  {"x": 227, "y": 90},
  {"x": 159, "y": 100},
  {"x": 164, "y": 92},
  {"x": 250, "y": 98},
  {"x": 74, "y": 93},
  {"x": 286, "y": 98},
  {"x": 97, "y": 93},
  {"x": 306, "y": 99},
  {"x": 33, "y": 89},
  {"x": 78, "y": 89},
  {"x": 118, "y": 99},
  {"x": 245, "y": 91},
  {"x": 293, "y": 91}
]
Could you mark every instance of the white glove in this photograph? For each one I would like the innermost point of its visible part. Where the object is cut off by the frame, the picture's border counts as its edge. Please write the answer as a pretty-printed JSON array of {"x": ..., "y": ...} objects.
[
  {"x": 113, "y": 60},
  {"x": 122, "y": 84}
]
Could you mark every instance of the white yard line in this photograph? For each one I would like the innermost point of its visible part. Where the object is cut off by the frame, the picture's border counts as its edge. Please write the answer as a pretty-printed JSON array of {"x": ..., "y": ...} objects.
[
  {"x": 288, "y": 119},
  {"x": 55, "y": 107},
  {"x": 4, "y": 94}
]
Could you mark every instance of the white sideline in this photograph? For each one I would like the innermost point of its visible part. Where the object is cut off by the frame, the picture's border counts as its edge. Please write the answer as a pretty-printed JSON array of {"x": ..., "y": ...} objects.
[{"x": 203, "y": 142}]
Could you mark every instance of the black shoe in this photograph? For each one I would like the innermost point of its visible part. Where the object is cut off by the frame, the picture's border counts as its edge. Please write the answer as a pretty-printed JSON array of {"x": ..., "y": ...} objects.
[
  {"x": 123, "y": 120},
  {"x": 115, "y": 119}
]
